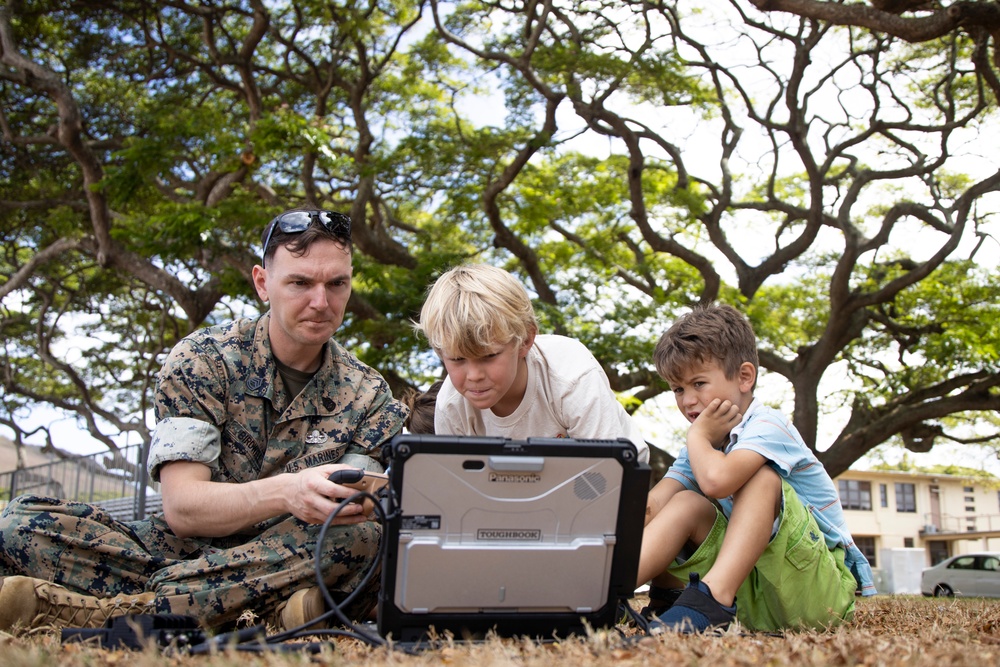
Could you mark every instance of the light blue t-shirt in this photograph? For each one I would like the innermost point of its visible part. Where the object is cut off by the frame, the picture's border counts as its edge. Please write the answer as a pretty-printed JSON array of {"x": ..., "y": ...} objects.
[{"x": 769, "y": 433}]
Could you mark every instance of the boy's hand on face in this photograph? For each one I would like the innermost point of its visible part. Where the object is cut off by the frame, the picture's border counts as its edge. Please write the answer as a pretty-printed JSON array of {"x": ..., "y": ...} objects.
[{"x": 716, "y": 421}]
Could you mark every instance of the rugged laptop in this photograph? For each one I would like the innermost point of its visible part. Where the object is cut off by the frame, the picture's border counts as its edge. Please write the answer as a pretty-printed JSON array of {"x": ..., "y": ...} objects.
[{"x": 537, "y": 537}]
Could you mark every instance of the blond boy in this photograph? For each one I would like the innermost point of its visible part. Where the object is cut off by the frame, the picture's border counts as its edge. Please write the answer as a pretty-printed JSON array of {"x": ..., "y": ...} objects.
[{"x": 504, "y": 379}]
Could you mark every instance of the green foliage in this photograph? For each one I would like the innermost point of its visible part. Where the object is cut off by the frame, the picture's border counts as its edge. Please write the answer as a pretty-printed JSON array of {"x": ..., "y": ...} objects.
[
  {"x": 938, "y": 328},
  {"x": 794, "y": 314},
  {"x": 696, "y": 155},
  {"x": 906, "y": 465},
  {"x": 924, "y": 63}
]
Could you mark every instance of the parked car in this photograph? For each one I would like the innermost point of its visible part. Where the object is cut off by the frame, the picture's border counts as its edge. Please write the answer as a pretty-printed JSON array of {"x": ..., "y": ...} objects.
[{"x": 969, "y": 574}]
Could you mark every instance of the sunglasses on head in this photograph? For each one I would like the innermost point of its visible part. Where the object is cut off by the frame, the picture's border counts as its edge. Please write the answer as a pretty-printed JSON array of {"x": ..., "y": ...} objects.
[{"x": 295, "y": 222}]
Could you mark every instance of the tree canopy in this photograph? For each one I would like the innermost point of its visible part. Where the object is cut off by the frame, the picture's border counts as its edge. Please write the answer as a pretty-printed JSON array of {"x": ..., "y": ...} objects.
[
  {"x": 915, "y": 21},
  {"x": 627, "y": 160}
]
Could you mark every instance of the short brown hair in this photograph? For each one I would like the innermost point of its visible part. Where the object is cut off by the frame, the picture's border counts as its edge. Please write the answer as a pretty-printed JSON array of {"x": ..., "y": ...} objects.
[
  {"x": 716, "y": 332},
  {"x": 421, "y": 405}
]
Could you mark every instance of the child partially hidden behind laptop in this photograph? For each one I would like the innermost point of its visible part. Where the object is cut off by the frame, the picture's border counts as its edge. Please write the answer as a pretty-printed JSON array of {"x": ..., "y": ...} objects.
[
  {"x": 770, "y": 543},
  {"x": 420, "y": 409},
  {"x": 504, "y": 379}
]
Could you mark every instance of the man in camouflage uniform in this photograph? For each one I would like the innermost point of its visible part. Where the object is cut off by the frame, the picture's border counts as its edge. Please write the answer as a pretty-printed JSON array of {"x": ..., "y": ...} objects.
[{"x": 252, "y": 417}]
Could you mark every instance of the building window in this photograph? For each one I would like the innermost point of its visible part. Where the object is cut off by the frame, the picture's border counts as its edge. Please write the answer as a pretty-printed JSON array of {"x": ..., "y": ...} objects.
[
  {"x": 908, "y": 542},
  {"x": 906, "y": 497},
  {"x": 970, "y": 499},
  {"x": 855, "y": 495},
  {"x": 867, "y": 547},
  {"x": 968, "y": 489},
  {"x": 883, "y": 495},
  {"x": 970, "y": 508}
]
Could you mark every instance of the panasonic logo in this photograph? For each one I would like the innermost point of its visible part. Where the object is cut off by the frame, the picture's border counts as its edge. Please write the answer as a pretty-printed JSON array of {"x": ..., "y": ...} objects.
[
  {"x": 508, "y": 535},
  {"x": 523, "y": 478}
]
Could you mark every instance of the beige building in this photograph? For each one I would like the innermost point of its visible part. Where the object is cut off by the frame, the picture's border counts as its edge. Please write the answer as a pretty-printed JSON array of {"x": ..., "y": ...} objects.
[{"x": 943, "y": 515}]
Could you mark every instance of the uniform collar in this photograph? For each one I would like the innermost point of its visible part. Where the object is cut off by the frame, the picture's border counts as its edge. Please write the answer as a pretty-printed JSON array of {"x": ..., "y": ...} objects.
[{"x": 263, "y": 370}]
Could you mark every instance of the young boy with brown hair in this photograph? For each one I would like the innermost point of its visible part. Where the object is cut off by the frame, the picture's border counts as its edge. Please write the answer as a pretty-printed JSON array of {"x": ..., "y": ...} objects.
[{"x": 746, "y": 512}]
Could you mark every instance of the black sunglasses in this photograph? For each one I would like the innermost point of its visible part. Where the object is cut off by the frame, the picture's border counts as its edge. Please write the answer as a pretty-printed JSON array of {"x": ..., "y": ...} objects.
[{"x": 295, "y": 222}]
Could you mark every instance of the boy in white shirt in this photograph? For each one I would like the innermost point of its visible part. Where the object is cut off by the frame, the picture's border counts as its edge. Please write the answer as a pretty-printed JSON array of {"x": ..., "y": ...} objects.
[{"x": 506, "y": 380}]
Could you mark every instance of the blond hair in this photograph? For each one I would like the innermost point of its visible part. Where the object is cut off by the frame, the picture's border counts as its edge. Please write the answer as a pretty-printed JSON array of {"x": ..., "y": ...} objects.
[{"x": 473, "y": 308}]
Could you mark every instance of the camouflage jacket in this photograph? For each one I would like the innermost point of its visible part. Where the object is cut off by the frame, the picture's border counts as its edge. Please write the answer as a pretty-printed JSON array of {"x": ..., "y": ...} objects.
[{"x": 221, "y": 401}]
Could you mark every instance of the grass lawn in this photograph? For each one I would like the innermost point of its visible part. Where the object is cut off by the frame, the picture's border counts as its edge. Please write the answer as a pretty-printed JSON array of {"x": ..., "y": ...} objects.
[{"x": 887, "y": 630}]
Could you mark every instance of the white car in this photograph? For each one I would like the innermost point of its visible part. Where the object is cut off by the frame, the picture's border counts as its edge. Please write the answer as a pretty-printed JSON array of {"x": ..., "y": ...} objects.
[{"x": 976, "y": 575}]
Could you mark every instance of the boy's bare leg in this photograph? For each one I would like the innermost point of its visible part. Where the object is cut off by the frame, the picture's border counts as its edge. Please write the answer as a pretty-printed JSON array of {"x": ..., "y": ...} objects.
[
  {"x": 755, "y": 506},
  {"x": 687, "y": 516}
]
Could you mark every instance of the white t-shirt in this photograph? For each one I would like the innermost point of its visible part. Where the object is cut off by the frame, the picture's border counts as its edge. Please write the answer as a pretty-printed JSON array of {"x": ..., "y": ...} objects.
[{"x": 568, "y": 396}]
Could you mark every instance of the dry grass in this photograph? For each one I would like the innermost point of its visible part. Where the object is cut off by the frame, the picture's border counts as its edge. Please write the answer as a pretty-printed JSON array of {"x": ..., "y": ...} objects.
[{"x": 887, "y": 630}]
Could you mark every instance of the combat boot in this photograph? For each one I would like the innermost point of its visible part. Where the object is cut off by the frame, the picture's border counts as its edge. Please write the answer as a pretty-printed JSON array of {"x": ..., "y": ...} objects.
[
  {"x": 304, "y": 605},
  {"x": 35, "y": 603}
]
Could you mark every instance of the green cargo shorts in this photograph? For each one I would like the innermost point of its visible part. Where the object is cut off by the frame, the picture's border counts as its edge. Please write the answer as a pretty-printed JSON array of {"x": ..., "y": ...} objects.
[{"x": 797, "y": 582}]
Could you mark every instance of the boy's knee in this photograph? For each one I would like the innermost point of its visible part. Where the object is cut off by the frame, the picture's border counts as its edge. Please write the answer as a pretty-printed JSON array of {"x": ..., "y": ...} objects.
[
  {"x": 763, "y": 485},
  {"x": 689, "y": 508},
  {"x": 690, "y": 500},
  {"x": 765, "y": 480}
]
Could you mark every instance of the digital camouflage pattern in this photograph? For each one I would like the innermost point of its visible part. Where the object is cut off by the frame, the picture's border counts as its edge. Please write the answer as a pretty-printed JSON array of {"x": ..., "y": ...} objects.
[
  {"x": 84, "y": 549},
  {"x": 225, "y": 377}
]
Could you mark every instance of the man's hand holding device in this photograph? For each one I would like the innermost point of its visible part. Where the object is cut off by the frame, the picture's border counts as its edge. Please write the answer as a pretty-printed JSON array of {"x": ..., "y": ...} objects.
[{"x": 361, "y": 480}]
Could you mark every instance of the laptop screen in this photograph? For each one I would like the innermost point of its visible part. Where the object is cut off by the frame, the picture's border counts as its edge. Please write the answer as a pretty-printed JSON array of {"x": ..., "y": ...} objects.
[{"x": 537, "y": 537}]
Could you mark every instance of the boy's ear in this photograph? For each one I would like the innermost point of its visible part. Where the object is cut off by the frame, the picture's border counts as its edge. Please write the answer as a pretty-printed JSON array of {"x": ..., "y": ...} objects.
[
  {"x": 528, "y": 342},
  {"x": 748, "y": 376}
]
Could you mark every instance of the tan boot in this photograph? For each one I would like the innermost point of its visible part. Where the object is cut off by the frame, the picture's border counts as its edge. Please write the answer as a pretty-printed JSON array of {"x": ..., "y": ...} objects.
[
  {"x": 303, "y": 606},
  {"x": 35, "y": 603}
]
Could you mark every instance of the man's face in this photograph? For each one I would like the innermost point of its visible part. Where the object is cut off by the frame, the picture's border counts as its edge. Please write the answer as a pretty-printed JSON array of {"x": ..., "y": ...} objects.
[
  {"x": 308, "y": 296},
  {"x": 495, "y": 381}
]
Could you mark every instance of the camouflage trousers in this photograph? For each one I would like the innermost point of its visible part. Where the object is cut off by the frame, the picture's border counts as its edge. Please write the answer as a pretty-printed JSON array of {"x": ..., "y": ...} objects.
[{"x": 85, "y": 549}]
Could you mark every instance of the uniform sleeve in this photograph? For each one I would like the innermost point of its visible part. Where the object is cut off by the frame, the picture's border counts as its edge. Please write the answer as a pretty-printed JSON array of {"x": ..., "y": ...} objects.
[
  {"x": 190, "y": 409},
  {"x": 183, "y": 439},
  {"x": 383, "y": 420}
]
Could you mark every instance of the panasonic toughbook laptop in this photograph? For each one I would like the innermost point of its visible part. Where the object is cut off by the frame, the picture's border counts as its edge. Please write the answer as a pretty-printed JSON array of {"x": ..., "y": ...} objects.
[{"x": 538, "y": 537}]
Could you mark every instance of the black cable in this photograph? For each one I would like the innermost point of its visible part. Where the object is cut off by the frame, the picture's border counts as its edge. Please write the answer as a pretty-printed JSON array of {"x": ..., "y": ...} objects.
[
  {"x": 257, "y": 643},
  {"x": 255, "y": 639},
  {"x": 335, "y": 608}
]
